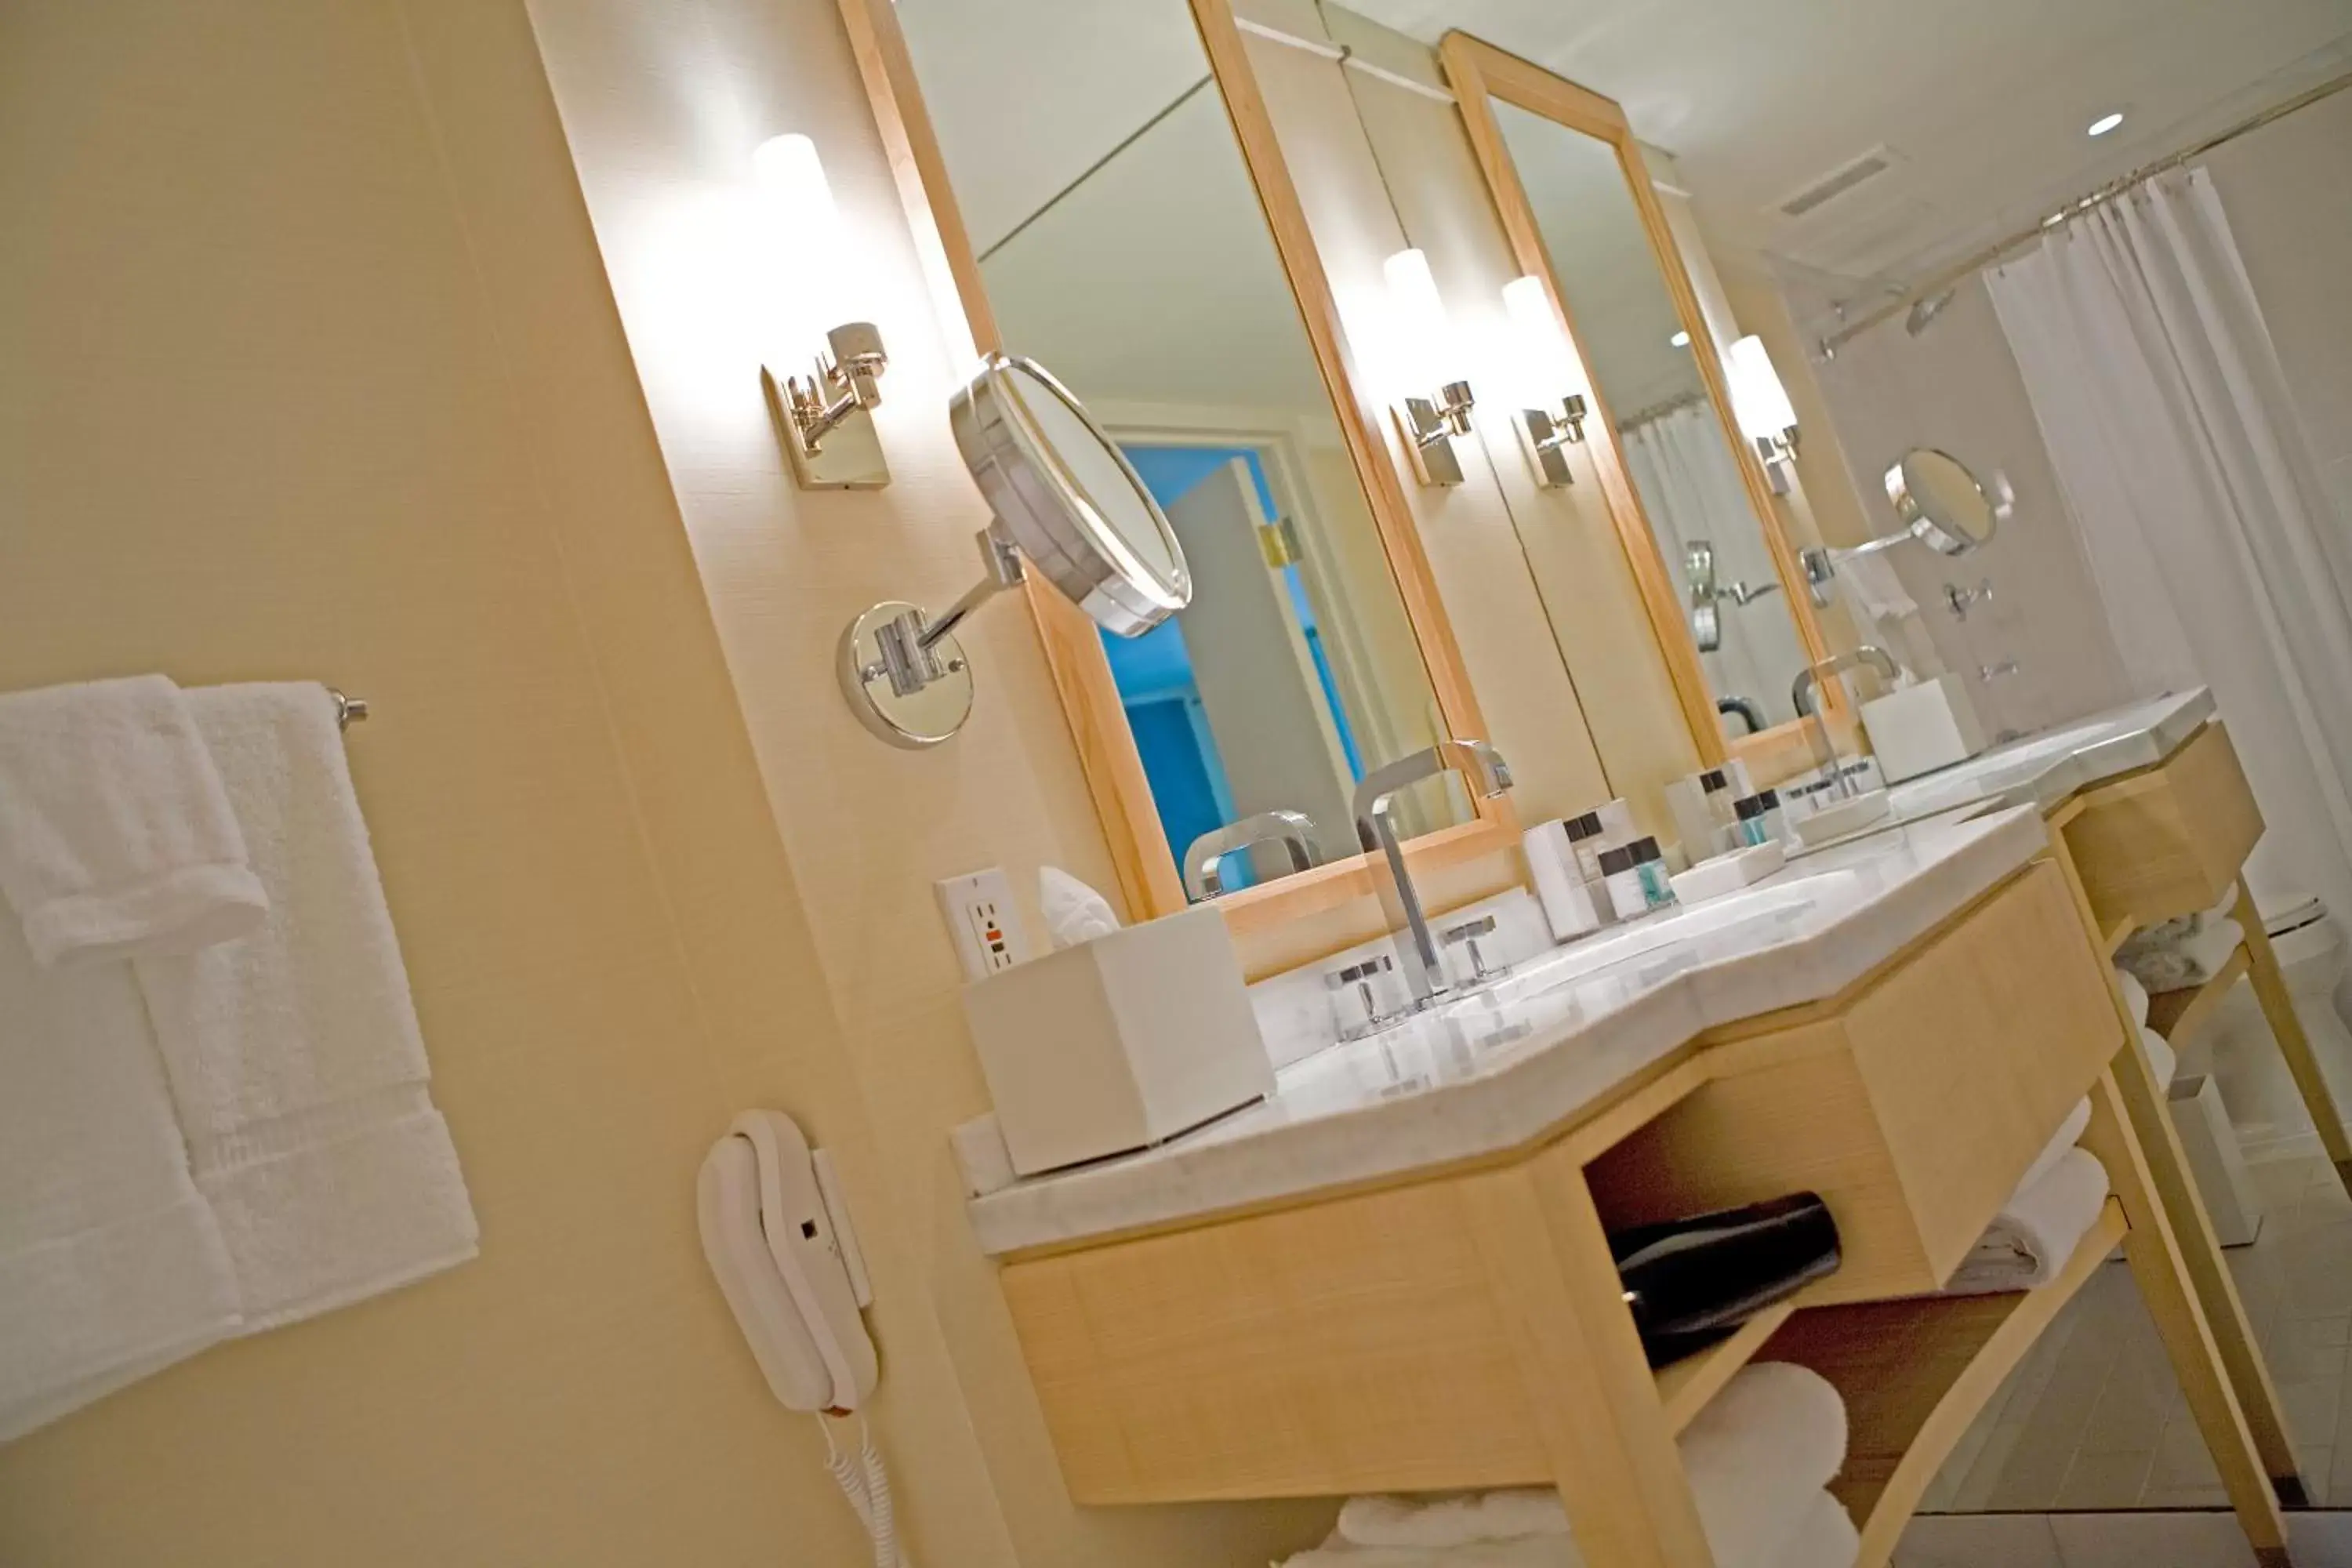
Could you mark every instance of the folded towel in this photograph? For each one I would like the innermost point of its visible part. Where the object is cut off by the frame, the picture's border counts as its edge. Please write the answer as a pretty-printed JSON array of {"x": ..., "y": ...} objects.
[
  {"x": 110, "y": 1264},
  {"x": 2162, "y": 1059},
  {"x": 2134, "y": 995},
  {"x": 293, "y": 1056},
  {"x": 1505, "y": 1515},
  {"x": 1756, "y": 1457},
  {"x": 2037, "y": 1231},
  {"x": 115, "y": 837},
  {"x": 1825, "y": 1538},
  {"x": 2070, "y": 1132},
  {"x": 2182, "y": 952}
]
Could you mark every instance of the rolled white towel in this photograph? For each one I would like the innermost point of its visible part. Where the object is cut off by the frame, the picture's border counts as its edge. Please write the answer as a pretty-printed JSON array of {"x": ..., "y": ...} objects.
[
  {"x": 2162, "y": 1059},
  {"x": 2070, "y": 1132},
  {"x": 2210, "y": 948},
  {"x": 2134, "y": 995},
  {"x": 1826, "y": 1538},
  {"x": 116, "y": 837},
  {"x": 1758, "y": 1457},
  {"x": 2034, "y": 1233}
]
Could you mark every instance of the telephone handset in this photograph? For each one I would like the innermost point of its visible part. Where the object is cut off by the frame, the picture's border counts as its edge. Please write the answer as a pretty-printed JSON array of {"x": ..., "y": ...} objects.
[
  {"x": 778, "y": 1238},
  {"x": 788, "y": 1266}
]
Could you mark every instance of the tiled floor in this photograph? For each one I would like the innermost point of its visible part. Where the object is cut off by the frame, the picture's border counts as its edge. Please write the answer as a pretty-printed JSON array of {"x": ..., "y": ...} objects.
[
  {"x": 2112, "y": 1541},
  {"x": 2094, "y": 1418}
]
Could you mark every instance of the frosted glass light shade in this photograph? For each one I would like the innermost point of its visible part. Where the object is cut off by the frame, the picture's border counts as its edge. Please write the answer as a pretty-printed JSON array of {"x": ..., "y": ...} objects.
[
  {"x": 1547, "y": 358},
  {"x": 1423, "y": 336},
  {"x": 1758, "y": 399}
]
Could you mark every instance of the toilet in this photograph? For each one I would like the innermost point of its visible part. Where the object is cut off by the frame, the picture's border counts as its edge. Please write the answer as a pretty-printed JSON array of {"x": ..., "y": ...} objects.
[{"x": 2237, "y": 1048}]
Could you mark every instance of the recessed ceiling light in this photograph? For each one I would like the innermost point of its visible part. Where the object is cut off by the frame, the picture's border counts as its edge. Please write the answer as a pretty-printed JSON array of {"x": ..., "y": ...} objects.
[
  {"x": 2106, "y": 123},
  {"x": 1680, "y": 340}
]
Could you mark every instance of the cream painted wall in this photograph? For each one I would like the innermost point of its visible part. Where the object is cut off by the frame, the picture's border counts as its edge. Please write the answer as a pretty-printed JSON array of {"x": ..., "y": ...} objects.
[
  {"x": 1534, "y": 581},
  {"x": 662, "y": 101},
  {"x": 308, "y": 368}
]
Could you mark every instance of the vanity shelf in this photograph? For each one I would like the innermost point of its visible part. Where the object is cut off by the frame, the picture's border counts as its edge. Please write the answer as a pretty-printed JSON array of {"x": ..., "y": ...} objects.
[
  {"x": 2176, "y": 1015},
  {"x": 1685, "y": 1388}
]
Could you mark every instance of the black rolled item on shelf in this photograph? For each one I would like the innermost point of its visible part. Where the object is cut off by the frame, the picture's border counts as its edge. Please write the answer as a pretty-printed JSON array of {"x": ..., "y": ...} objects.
[{"x": 1692, "y": 1282}]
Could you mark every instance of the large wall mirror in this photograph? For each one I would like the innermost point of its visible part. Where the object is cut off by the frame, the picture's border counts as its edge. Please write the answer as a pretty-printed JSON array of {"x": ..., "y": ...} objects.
[
  {"x": 1101, "y": 214},
  {"x": 1724, "y": 590}
]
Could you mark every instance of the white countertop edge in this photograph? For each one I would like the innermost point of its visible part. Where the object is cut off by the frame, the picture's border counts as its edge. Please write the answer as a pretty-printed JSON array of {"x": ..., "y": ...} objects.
[{"x": 1517, "y": 1104}]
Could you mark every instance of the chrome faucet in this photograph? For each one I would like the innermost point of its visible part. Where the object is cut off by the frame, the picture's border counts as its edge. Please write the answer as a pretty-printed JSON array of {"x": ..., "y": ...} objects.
[
  {"x": 1488, "y": 776},
  {"x": 1204, "y": 861},
  {"x": 1801, "y": 697}
]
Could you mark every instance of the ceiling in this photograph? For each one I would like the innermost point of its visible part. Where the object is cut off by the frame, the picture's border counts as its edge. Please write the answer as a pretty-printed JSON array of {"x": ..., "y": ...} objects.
[{"x": 1983, "y": 103}]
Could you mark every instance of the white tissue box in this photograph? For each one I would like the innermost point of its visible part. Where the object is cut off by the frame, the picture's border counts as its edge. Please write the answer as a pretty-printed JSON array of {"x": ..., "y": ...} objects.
[
  {"x": 1922, "y": 728},
  {"x": 1118, "y": 1043}
]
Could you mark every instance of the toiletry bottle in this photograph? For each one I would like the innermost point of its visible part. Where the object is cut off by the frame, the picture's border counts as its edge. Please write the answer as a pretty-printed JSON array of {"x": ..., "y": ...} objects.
[
  {"x": 1714, "y": 789},
  {"x": 1586, "y": 840},
  {"x": 1759, "y": 817},
  {"x": 1636, "y": 875}
]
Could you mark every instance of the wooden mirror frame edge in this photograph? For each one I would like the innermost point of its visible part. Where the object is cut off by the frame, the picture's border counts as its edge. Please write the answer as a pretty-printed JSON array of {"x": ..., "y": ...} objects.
[
  {"x": 1113, "y": 769},
  {"x": 1479, "y": 71}
]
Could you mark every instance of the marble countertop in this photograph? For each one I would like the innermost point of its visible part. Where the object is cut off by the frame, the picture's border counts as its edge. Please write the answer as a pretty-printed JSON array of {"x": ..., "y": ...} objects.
[
  {"x": 2043, "y": 770},
  {"x": 1498, "y": 1068}
]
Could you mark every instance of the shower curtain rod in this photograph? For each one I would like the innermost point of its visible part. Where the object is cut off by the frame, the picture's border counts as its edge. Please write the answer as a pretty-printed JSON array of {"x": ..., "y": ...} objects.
[
  {"x": 2002, "y": 249},
  {"x": 1675, "y": 405}
]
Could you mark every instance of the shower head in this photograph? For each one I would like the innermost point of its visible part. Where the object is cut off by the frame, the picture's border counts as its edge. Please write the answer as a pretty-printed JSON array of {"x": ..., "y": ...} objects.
[{"x": 1924, "y": 311}]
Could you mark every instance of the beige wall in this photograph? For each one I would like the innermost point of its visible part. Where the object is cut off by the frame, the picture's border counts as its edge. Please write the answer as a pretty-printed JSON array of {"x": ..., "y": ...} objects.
[
  {"x": 1535, "y": 581},
  {"x": 308, "y": 369},
  {"x": 663, "y": 102}
]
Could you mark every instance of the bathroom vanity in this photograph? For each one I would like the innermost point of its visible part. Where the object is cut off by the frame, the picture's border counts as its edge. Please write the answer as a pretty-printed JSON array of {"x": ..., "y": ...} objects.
[{"x": 1393, "y": 1275}]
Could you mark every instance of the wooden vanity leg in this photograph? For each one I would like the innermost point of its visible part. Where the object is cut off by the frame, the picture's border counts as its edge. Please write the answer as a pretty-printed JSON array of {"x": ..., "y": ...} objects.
[
  {"x": 1613, "y": 1455},
  {"x": 2253, "y": 1482},
  {"x": 2278, "y": 1007},
  {"x": 2157, "y": 1157}
]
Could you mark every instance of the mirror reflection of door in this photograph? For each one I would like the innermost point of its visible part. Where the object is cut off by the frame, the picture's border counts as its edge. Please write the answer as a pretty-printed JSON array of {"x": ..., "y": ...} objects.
[
  {"x": 1123, "y": 247},
  {"x": 1639, "y": 353}
]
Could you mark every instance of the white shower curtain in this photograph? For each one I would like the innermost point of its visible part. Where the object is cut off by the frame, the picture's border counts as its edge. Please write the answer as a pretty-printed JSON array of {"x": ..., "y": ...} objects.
[
  {"x": 1690, "y": 487},
  {"x": 2218, "y": 556}
]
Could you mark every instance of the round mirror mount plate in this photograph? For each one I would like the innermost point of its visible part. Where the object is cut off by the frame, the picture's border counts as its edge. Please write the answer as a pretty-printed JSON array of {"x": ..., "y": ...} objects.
[{"x": 915, "y": 720}]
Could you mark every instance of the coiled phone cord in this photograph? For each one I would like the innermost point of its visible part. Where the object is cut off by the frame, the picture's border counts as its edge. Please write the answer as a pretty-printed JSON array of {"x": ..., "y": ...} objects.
[{"x": 866, "y": 1485}]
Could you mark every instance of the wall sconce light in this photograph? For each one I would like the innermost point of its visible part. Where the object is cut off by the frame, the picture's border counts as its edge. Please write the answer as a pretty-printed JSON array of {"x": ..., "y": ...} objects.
[
  {"x": 824, "y": 420},
  {"x": 1428, "y": 422},
  {"x": 1761, "y": 405},
  {"x": 1553, "y": 417}
]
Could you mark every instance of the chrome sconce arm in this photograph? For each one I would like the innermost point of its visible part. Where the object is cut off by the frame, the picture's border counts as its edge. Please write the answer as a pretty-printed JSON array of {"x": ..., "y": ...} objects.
[
  {"x": 1777, "y": 453},
  {"x": 1548, "y": 433},
  {"x": 826, "y": 420},
  {"x": 1429, "y": 427}
]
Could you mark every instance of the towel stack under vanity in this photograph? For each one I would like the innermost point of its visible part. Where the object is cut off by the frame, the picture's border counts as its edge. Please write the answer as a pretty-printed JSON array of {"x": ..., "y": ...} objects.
[
  {"x": 1759, "y": 1459},
  {"x": 214, "y": 1112}
]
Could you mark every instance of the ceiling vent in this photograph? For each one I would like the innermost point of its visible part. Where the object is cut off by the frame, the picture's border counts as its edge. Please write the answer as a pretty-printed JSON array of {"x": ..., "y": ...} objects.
[{"x": 1839, "y": 180}]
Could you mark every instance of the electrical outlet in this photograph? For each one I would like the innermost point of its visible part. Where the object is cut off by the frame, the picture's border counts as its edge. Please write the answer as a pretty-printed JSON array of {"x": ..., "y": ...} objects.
[{"x": 986, "y": 928}]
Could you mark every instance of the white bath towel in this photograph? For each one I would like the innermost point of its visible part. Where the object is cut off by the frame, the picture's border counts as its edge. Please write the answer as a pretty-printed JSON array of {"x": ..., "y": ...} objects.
[
  {"x": 1824, "y": 1538},
  {"x": 294, "y": 1056},
  {"x": 2070, "y": 1132},
  {"x": 1756, "y": 1457},
  {"x": 2134, "y": 995},
  {"x": 115, "y": 837},
  {"x": 2162, "y": 1059},
  {"x": 110, "y": 1264},
  {"x": 2037, "y": 1231},
  {"x": 2180, "y": 954}
]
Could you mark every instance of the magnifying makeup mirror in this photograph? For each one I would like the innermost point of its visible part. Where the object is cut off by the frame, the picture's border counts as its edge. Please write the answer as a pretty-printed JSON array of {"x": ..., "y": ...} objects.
[
  {"x": 1939, "y": 501},
  {"x": 1067, "y": 502}
]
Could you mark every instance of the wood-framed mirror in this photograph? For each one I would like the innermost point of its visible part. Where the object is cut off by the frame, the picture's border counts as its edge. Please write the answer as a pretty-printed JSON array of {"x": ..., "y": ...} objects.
[
  {"x": 1721, "y": 583},
  {"x": 1115, "y": 206}
]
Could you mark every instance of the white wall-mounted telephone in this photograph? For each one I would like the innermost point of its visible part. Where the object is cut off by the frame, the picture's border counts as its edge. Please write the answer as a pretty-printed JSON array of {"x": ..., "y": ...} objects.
[{"x": 778, "y": 1236}]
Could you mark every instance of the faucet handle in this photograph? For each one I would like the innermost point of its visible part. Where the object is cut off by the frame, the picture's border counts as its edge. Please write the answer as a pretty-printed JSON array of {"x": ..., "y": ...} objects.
[{"x": 1467, "y": 935}]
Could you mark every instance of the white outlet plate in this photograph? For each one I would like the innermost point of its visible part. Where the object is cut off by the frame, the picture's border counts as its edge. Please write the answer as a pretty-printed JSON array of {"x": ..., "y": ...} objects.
[{"x": 983, "y": 921}]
